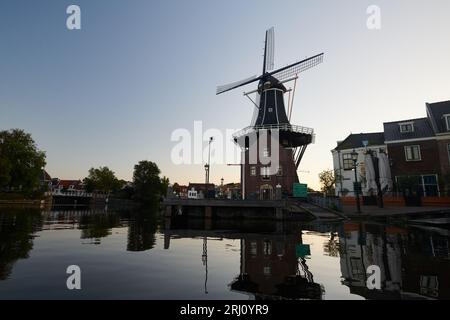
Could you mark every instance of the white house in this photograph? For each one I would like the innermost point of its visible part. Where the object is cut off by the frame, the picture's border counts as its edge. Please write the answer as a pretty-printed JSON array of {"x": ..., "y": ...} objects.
[{"x": 343, "y": 161}]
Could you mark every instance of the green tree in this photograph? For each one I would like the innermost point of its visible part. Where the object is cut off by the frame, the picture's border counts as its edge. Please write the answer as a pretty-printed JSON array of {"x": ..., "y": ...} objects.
[
  {"x": 147, "y": 183},
  {"x": 328, "y": 181},
  {"x": 21, "y": 162},
  {"x": 103, "y": 180},
  {"x": 164, "y": 185}
]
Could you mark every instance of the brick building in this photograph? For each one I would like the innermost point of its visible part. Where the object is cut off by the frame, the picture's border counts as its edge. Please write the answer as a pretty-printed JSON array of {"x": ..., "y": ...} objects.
[{"x": 419, "y": 150}]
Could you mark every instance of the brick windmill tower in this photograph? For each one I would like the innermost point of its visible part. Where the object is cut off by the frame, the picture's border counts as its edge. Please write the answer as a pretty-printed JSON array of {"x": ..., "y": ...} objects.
[{"x": 272, "y": 148}]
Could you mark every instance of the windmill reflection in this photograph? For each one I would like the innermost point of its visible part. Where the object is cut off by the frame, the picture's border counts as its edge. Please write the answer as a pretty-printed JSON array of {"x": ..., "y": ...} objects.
[
  {"x": 273, "y": 260},
  {"x": 274, "y": 267}
]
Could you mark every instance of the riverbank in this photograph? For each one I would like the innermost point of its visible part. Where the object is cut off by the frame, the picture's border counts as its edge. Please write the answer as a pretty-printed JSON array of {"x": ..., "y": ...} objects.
[{"x": 23, "y": 203}]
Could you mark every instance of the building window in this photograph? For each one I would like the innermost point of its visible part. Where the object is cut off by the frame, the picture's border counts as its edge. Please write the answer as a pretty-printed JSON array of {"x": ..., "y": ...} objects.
[
  {"x": 412, "y": 153},
  {"x": 430, "y": 186},
  {"x": 267, "y": 248},
  {"x": 253, "y": 248},
  {"x": 253, "y": 171},
  {"x": 280, "y": 171},
  {"x": 448, "y": 151},
  {"x": 267, "y": 271},
  {"x": 429, "y": 286},
  {"x": 265, "y": 173},
  {"x": 406, "y": 127},
  {"x": 447, "y": 121},
  {"x": 347, "y": 161},
  {"x": 266, "y": 152},
  {"x": 426, "y": 185}
]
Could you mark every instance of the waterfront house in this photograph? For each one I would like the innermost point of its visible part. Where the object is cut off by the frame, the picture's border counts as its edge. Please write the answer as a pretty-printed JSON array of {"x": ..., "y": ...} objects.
[
  {"x": 419, "y": 150},
  {"x": 343, "y": 161},
  {"x": 200, "y": 188},
  {"x": 59, "y": 185}
]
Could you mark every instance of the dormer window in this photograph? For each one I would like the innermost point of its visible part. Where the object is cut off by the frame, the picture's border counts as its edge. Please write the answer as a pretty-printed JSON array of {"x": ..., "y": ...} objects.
[
  {"x": 447, "y": 121},
  {"x": 407, "y": 127}
]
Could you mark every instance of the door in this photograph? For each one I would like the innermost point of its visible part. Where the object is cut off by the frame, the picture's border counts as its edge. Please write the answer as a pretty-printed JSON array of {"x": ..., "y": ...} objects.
[{"x": 266, "y": 193}]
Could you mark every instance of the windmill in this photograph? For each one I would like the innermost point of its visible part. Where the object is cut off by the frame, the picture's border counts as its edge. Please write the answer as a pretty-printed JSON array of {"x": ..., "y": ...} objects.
[{"x": 270, "y": 115}]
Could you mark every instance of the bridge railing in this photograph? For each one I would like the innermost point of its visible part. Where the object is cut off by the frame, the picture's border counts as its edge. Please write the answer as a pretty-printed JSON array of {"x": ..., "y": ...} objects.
[{"x": 76, "y": 193}]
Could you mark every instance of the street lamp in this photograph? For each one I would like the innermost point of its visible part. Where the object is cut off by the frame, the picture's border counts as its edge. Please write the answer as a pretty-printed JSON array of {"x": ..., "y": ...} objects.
[
  {"x": 207, "y": 167},
  {"x": 356, "y": 185}
]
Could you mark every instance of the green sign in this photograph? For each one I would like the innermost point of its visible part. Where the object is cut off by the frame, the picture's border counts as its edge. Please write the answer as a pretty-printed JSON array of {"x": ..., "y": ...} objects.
[
  {"x": 302, "y": 250},
  {"x": 300, "y": 190}
]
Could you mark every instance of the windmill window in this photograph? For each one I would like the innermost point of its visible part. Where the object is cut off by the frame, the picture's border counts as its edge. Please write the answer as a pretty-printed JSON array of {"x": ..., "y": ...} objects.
[
  {"x": 280, "y": 171},
  {"x": 270, "y": 109},
  {"x": 253, "y": 171},
  {"x": 266, "y": 152},
  {"x": 265, "y": 173}
]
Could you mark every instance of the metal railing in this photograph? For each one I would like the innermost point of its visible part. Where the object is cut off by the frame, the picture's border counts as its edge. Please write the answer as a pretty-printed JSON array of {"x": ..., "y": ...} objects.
[
  {"x": 75, "y": 193},
  {"x": 333, "y": 203},
  {"x": 282, "y": 127}
]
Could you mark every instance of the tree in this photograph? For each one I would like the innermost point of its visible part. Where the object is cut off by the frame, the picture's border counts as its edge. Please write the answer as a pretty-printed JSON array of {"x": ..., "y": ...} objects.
[
  {"x": 147, "y": 183},
  {"x": 21, "y": 162},
  {"x": 328, "y": 181},
  {"x": 103, "y": 180},
  {"x": 164, "y": 185}
]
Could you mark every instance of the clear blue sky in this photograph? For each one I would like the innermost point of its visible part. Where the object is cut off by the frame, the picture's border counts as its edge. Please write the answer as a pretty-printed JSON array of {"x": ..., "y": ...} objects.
[{"x": 112, "y": 93}]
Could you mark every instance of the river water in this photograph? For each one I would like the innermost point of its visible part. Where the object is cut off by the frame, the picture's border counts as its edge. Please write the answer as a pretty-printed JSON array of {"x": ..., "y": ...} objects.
[{"x": 138, "y": 255}]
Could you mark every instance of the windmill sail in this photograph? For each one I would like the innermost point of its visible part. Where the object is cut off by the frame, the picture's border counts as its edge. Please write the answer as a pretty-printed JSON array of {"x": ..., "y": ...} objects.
[
  {"x": 269, "y": 51},
  {"x": 296, "y": 68},
  {"x": 234, "y": 85}
]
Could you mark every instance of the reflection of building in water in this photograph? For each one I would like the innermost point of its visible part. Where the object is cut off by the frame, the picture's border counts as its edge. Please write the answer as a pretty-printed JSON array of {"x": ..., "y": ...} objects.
[
  {"x": 413, "y": 265},
  {"x": 270, "y": 269},
  {"x": 427, "y": 266}
]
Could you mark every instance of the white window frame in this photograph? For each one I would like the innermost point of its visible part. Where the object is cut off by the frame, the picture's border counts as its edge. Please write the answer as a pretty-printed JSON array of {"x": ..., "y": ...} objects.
[
  {"x": 253, "y": 171},
  {"x": 406, "y": 153},
  {"x": 265, "y": 173},
  {"x": 423, "y": 183},
  {"x": 345, "y": 160},
  {"x": 448, "y": 151},
  {"x": 446, "y": 118},
  {"x": 406, "y": 124}
]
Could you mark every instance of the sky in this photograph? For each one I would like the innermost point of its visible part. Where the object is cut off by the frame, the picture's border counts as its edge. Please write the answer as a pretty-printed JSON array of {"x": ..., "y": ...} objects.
[{"x": 112, "y": 93}]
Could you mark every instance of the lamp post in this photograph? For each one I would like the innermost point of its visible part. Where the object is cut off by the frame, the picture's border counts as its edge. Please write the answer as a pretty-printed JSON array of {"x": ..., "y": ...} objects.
[
  {"x": 356, "y": 185},
  {"x": 207, "y": 167}
]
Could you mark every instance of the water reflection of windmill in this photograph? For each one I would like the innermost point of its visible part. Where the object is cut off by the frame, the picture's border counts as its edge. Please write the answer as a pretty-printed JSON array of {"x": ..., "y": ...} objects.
[
  {"x": 270, "y": 116},
  {"x": 274, "y": 267}
]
